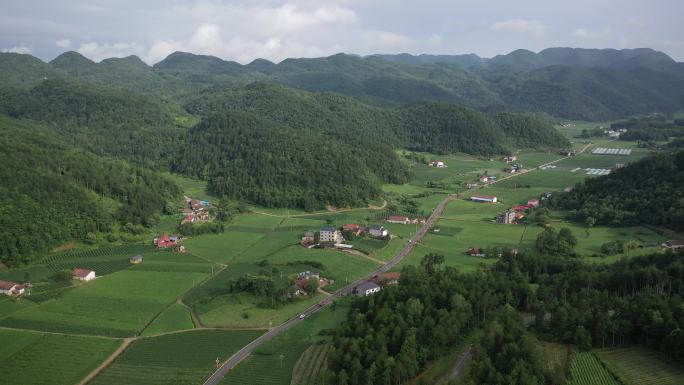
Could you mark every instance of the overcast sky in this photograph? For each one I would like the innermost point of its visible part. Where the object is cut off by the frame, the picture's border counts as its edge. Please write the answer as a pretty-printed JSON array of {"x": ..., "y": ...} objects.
[{"x": 243, "y": 30}]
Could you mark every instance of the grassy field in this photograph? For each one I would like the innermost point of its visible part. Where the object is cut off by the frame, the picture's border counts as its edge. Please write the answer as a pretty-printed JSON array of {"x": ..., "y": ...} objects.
[
  {"x": 310, "y": 365},
  {"x": 641, "y": 366},
  {"x": 180, "y": 358},
  {"x": 557, "y": 356},
  {"x": 586, "y": 369},
  {"x": 176, "y": 317},
  {"x": 37, "y": 358},
  {"x": 119, "y": 304},
  {"x": 274, "y": 362},
  {"x": 193, "y": 188}
]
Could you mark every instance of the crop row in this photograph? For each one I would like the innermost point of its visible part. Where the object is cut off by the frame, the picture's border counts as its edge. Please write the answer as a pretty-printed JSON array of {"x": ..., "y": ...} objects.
[{"x": 586, "y": 369}]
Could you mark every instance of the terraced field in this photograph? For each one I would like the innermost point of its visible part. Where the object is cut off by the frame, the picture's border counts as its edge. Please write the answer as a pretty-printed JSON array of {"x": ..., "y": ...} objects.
[
  {"x": 29, "y": 358},
  {"x": 586, "y": 369},
  {"x": 181, "y": 358},
  {"x": 641, "y": 366},
  {"x": 103, "y": 260},
  {"x": 310, "y": 366},
  {"x": 176, "y": 317}
]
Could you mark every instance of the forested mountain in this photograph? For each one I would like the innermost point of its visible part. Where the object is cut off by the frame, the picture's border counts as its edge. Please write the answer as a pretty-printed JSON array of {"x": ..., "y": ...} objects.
[
  {"x": 101, "y": 119},
  {"x": 52, "y": 193},
  {"x": 246, "y": 157},
  {"x": 648, "y": 191},
  {"x": 564, "y": 82}
]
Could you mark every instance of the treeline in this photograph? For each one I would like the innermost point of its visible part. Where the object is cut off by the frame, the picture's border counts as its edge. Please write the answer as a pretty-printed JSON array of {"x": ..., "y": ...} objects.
[
  {"x": 52, "y": 194},
  {"x": 636, "y": 300},
  {"x": 648, "y": 191}
]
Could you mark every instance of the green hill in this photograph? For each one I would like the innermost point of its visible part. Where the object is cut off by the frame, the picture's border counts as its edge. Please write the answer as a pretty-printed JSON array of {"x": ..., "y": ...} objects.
[{"x": 52, "y": 193}]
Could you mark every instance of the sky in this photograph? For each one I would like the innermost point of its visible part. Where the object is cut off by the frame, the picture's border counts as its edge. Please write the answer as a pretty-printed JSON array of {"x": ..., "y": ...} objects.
[{"x": 243, "y": 30}]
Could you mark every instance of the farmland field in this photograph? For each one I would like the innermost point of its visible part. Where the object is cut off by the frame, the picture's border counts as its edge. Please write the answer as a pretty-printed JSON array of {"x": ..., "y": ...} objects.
[
  {"x": 176, "y": 317},
  {"x": 274, "y": 362},
  {"x": 37, "y": 358},
  {"x": 180, "y": 358},
  {"x": 641, "y": 366},
  {"x": 586, "y": 369},
  {"x": 119, "y": 304}
]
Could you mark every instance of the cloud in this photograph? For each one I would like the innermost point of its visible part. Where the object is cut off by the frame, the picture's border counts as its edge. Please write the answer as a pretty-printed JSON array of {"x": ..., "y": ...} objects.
[
  {"x": 98, "y": 52},
  {"x": 18, "y": 49},
  {"x": 244, "y": 32},
  {"x": 585, "y": 33},
  {"x": 532, "y": 28},
  {"x": 63, "y": 43}
]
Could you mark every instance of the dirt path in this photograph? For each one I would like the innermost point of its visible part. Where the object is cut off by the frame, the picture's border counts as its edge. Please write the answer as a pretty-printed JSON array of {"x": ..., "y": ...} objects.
[
  {"x": 460, "y": 364},
  {"x": 362, "y": 255},
  {"x": 109, "y": 360}
]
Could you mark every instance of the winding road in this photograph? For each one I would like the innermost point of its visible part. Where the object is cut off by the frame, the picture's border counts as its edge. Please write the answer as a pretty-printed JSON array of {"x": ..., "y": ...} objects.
[{"x": 238, "y": 357}]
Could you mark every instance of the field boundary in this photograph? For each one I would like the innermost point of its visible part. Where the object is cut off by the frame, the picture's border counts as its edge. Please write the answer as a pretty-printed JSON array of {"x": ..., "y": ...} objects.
[{"x": 91, "y": 376}]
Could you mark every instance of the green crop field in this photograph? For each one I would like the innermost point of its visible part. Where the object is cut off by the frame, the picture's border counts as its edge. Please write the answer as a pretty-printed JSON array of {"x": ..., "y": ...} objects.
[
  {"x": 176, "y": 317},
  {"x": 224, "y": 247},
  {"x": 38, "y": 358},
  {"x": 180, "y": 358},
  {"x": 103, "y": 261},
  {"x": 273, "y": 363},
  {"x": 586, "y": 369},
  {"x": 119, "y": 304},
  {"x": 642, "y": 366},
  {"x": 310, "y": 365}
]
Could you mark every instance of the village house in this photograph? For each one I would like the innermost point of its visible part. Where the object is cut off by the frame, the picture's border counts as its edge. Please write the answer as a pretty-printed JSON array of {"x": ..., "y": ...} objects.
[
  {"x": 438, "y": 164},
  {"x": 484, "y": 179},
  {"x": 308, "y": 237},
  {"x": 509, "y": 159},
  {"x": 387, "y": 279},
  {"x": 378, "y": 231},
  {"x": 507, "y": 217},
  {"x": 418, "y": 220},
  {"x": 366, "y": 288},
  {"x": 400, "y": 219},
  {"x": 475, "y": 252},
  {"x": 136, "y": 259},
  {"x": 298, "y": 288},
  {"x": 83, "y": 274},
  {"x": 521, "y": 208},
  {"x": 165, "y": 241},
  {"x": 533, "y": 203},
  {"x": 186, "y": 211},
  {"x": 190, "y": 218},
  {"x": 484, "y": 198},
  {"x": 353, "y": 228},
  {"x": 11, "y": 288},
  {"x": 331, "y": 235},
  {"x": 197, "y": 205},
  {"x": 673, "y": 244}
]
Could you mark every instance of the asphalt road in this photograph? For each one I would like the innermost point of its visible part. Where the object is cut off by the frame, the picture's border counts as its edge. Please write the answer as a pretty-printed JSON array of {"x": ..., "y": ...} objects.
[{"x": 236, "y": 358}]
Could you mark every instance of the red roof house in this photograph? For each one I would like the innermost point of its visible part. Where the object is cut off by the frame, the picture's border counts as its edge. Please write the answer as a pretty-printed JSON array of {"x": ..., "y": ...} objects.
[
  {"x": 165, "y": 241},
  {"x": 83, "y": 274},
  {"x": 521, "y": 207},
  {"x": 398, "y": 219},
  {"x": 534, "y": 202}
]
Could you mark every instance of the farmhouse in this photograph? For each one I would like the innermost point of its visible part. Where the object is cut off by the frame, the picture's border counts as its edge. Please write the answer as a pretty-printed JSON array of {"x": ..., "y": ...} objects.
[
  {"x": 136, "y": 259},
  {"x": 475, "y": 252},
  {"x": 399, "y": 219},
  {"x": 520, "y": 207},
  {"x": 484, "y": 179},
  {"x": 190, "y": 218},
  {"x": 438, "y": 164},
  {"x": 673, "y": 244},
  {"x": 11, "y": 288},
  {"x": 484, "y": 198},
  {"x": 329, "y": 234},
  {"x": 365, "y": 289},
  {"x": 509, "y": 159},
  {"x": 534, "y": 202},
  {"x": 165, "y": 241},
  {"x": 507, "y": 217},
  {"x": 377, "y": 231},
  {"x": 83, "y": 274}
]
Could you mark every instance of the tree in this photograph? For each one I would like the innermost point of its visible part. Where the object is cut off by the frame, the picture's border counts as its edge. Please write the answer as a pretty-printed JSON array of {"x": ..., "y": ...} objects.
[
  {"x": 430, "y": 262},
  {"x": 312, "y": 286}
]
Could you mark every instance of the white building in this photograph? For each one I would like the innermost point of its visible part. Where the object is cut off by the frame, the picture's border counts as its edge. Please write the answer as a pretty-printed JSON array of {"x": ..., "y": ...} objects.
[
  {"x": 484, "y": 198},
  {"x": 83, "y": 274},
  {"x": 377, "y": 231},
  {"x": 366, "y": 288},
  {"x": 11, "y": 288},
  {"x": 330, "y": 234}
]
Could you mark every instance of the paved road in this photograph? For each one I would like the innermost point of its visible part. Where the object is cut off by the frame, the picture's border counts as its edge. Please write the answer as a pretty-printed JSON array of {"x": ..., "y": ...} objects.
[{"x": 236, "y": 358}]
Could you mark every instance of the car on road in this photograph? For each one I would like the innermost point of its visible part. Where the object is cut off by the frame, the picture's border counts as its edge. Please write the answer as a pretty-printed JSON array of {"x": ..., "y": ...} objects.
[{"x": 302, "y": 316}]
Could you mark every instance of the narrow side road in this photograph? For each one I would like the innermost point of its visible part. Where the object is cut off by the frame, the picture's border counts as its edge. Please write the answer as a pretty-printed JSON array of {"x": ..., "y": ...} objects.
[
  {"x": 236, "y": 358},
  {"x": 459, "y": 365}
]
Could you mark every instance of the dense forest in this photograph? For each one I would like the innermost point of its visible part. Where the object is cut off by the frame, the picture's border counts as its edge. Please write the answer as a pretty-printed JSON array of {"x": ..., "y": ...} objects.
[
  {"x": 52, "y": 193},
  {"x": 389, "y": 337},
  {"x": 648, "y": 191}
]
